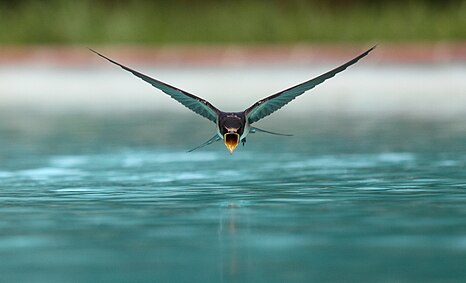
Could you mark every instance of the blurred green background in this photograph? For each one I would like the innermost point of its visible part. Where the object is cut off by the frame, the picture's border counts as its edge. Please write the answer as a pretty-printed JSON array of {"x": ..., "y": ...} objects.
[{"x": 241, "y": 21}]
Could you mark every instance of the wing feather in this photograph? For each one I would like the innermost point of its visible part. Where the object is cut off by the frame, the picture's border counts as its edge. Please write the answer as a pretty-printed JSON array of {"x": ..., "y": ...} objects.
[
  {"x": 192, "y": 102},
  {"x": 270, "y": 104}
]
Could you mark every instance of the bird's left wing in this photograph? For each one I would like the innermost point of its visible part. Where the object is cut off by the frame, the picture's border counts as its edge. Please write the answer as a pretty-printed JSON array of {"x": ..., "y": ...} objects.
[
  {"x": 194, "y": 103},
  {"x": 270, "y": 104}
]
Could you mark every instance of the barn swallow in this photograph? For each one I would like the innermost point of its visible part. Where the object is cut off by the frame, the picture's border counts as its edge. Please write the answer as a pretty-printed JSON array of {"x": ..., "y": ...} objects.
[{"x": 233, "y": 127}]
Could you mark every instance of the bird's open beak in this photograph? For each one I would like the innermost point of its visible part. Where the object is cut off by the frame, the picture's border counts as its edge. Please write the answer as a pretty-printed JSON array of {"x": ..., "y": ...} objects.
[{"x": 231, "y": 141}]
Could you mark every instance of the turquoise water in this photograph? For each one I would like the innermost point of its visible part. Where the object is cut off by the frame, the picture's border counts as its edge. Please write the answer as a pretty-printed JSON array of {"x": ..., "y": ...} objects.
[{"x": 117, "y": 199}]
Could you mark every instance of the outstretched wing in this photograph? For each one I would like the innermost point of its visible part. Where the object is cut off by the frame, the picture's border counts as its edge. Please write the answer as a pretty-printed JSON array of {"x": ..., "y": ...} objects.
[
  {"x": 268, "y": 105},
  {"x": 196, "y": 104}
]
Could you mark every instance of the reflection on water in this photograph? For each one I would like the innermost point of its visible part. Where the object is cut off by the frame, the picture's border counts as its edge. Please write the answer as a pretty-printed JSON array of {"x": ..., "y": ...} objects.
[{"x": 118, "y": 199}]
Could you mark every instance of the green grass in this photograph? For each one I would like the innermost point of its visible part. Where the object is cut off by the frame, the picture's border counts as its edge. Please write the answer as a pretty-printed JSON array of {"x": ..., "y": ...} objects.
[{"x": 247, "y": 22}]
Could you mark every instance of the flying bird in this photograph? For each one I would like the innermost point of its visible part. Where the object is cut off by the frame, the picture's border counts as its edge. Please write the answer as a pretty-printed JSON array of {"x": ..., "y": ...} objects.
[{"x": 233, "y": 127}]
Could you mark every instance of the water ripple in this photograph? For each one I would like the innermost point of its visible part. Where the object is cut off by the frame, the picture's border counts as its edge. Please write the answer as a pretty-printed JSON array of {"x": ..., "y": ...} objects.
[{"x": 292, "y": 211}]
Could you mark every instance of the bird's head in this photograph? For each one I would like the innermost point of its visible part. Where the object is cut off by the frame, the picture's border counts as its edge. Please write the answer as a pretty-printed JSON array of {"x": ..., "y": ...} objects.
[
  {"x": 231, "y": 126},
  {"x": 231, "y": 139}
]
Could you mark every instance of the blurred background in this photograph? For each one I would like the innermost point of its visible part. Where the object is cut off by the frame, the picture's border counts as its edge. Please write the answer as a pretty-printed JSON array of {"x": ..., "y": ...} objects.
[
  {"x": 239, "y": 22},
  {"x": 233, "y": 53}
]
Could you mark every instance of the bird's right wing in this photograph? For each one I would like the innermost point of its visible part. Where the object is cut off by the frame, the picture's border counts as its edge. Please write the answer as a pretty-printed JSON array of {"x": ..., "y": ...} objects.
[
  {"x": 194, "y": 103},
  {"x": 268, "y": 105}
]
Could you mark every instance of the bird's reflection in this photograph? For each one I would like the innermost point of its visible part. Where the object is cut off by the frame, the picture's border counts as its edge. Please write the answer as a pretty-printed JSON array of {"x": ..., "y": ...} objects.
[{"x": 229, "y": 234}]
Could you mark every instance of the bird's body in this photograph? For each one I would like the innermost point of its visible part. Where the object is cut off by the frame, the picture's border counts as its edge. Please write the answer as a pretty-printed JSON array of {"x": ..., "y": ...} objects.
[{"x": 233, "y": 127}]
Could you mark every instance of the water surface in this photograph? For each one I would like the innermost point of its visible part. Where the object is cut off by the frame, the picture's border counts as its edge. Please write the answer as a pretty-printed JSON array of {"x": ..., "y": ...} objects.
[{"x": 112, "y": 199}]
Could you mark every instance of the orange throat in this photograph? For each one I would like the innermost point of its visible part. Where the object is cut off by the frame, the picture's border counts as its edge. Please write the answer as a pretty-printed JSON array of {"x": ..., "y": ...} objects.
[{"x": 231, "y": 141}]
